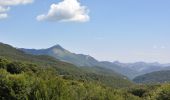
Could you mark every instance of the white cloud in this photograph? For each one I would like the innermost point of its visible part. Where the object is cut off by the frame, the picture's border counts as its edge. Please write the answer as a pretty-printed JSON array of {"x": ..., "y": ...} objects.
[
  {"x": 67, "y": 10},
  {"x": 14, "y": 2},
  {"x": 6, "y": 4},
  {"x": 3, "y": 15},
  {"x": 4, "y": 9}
]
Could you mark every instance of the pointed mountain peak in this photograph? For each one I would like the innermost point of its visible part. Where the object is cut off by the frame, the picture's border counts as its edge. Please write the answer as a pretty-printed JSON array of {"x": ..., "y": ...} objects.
[
  {"x": 117, "y": 62},
  {"x": 57, "y": 46}
]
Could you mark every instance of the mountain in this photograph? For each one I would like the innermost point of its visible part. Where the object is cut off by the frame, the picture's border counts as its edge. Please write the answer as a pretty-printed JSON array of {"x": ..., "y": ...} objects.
[
  {"x": 64, "y": 55},
  {"x": 120, "y": 69},
  {"x": 130, "y": 70},
  {"x": 154, "y": 77},
  {"x": 69, "y": 71},
  {"x": 140, "y": 68}
]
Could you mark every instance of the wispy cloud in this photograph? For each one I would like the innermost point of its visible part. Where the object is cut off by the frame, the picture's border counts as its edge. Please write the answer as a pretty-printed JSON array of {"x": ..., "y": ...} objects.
[
  {"x": 66, "y": 11},
  {"x": 159, "y": 47},
  {"x": 163, "y": 47},
  {"x": 6, "y": 4}
]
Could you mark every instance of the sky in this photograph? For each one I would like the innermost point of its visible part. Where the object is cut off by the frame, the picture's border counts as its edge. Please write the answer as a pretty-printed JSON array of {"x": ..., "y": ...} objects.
[{"x": 109, "y": 30}]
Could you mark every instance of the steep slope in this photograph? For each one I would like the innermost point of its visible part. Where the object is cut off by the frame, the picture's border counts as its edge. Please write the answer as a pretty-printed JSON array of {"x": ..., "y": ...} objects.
[
  {"x": 154, "y": 77},
  {"x": 67, "y": 70}
]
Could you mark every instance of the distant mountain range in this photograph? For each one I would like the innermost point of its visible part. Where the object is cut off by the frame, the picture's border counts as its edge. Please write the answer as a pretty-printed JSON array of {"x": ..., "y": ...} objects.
[
  {"x": 140, "y": 68},
  {"x": 154, "y": 77},
  {"x": 131, "y": 70}
]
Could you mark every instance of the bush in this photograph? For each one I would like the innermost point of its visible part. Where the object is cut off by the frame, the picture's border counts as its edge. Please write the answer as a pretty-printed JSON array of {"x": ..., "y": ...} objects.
[
  {"x": 14, "y": 87},
  {"x": 138, "y": 91},
  {"x": 164, "y": 93}
]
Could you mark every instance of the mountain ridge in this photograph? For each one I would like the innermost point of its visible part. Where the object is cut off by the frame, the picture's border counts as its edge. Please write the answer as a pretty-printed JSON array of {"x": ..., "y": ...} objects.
[
  {"x": 67, "y": 70},
  {"x": 130, "y": 70},
  {"x": 58, "y": 51}
]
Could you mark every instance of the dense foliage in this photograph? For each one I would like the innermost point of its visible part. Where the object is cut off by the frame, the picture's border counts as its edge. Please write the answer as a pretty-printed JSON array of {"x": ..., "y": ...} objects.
[
  {"x": 21, "y": 81},
  {"x": 24, "y": 81}
]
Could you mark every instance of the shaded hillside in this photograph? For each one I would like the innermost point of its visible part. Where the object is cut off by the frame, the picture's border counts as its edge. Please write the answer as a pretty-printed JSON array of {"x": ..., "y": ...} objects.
[{"x": 154, "y": 77}]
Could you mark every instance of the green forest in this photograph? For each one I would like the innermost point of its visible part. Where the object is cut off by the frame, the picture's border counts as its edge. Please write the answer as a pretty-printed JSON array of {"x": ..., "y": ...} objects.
[
  {"x": 30, "y": 77},
  {"x": 26, "y": 81}
]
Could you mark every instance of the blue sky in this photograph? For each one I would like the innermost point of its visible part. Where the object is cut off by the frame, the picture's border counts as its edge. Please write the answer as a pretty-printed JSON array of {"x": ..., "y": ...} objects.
[{"x": 124, "y": 30}]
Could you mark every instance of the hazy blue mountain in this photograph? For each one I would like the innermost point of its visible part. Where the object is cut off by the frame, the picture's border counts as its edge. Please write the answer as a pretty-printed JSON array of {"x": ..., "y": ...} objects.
[
  {"x": 64, "y": 55},
  {"x": 123, "y": 70},
  {"x": 130, "y": 70},
  {"x": 154, "y": 77},
  {"x": 79, "y": 59},
  {"x": 140, "y": 68}
]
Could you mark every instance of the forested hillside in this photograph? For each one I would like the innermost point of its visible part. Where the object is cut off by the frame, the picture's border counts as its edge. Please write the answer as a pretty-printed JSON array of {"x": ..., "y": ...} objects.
[
  {"x": 21, "y": 81},
  {"x": 154, "y": 77},
  {"x": 28, "y": 77},
  {"x": 67, "y": 70},
  {"x": 26, "y": 81}
]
